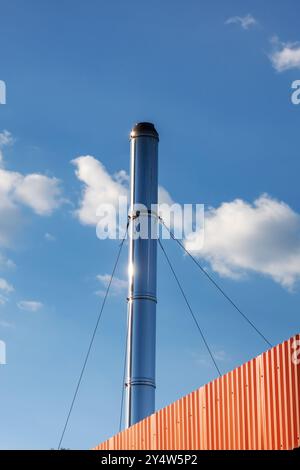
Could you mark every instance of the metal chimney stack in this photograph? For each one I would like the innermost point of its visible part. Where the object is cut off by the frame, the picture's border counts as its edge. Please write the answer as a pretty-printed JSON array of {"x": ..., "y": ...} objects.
[{"x": 141, "y": 342}]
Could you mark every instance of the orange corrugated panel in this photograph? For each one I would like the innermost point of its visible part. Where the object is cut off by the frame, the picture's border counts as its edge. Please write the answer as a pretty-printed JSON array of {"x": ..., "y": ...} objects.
[{"x": 256, "y": 406}]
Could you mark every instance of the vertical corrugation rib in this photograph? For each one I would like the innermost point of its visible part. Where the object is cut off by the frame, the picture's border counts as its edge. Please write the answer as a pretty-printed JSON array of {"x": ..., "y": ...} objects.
[{"x": 297, "y": 395}]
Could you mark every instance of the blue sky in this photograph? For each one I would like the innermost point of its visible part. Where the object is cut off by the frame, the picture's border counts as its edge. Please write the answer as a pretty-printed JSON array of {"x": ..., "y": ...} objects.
[{"x": 78, "y": 76}]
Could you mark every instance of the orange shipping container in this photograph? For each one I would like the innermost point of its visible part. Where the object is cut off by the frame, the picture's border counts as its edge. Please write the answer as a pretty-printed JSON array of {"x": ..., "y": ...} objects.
[{"x": 256, "y": 406}]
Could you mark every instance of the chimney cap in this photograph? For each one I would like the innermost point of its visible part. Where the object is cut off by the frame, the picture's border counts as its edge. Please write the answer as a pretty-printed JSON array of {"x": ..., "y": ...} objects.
[{"x": 144, "y": 129}]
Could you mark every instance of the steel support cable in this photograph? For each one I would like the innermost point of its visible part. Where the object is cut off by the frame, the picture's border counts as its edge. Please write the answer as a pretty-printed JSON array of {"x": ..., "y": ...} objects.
[
  {"x": 189, "y": 307},
  {"x": 216, "y": 285},
  {"x": 123, "y": 384},
  {"x": 92, "y": 338}
]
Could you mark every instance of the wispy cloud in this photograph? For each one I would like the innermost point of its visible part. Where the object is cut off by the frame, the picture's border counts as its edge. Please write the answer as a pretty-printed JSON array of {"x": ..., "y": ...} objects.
[
  {"x": 6, "y": 324},
  {"x": 3, "y": 299},
  {"x": 6, "y": 262},
  {"x": 6, "y": 286},
  {"x": 206, "y": 361},
  {"x": 49, "y": 237},
  {"x": 246, "y": 22},
  {"x": 285, "y": 56},
  {"x": 6, "y": 139},
  {"x": 30, "y": 305},
  {"x": 221, "y": 355},
  {"x": 5, "y": 289},
  {"x": 263, "y": 237},
  {"x": 118, "y": 286}
]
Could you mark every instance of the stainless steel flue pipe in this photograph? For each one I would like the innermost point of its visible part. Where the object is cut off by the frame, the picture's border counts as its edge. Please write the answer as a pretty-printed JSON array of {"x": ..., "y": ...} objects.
[{"x": 141, "y": 337}]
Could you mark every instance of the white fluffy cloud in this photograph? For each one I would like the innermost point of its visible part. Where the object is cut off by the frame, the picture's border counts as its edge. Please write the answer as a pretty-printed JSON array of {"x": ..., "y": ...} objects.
[
  {"x": 285, "y": 56},
  {"x": 39, "y": 192},
  {"x": 246, "y": 22},
  {"x": 99, "y": 187},
  {"x": 263, "y": 237},
  {"x": 30, "y": 305},
  {"x": 118, "y": 286},
  {"x": 42, "y": 194}
]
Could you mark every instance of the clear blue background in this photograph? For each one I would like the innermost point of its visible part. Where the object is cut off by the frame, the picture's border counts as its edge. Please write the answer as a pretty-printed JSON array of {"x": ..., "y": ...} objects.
[{"x": 79, "y": 75}]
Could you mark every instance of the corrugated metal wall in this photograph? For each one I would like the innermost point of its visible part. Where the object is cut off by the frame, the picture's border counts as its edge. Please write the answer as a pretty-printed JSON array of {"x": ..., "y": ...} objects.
[{"x": 256, "y": 406}]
